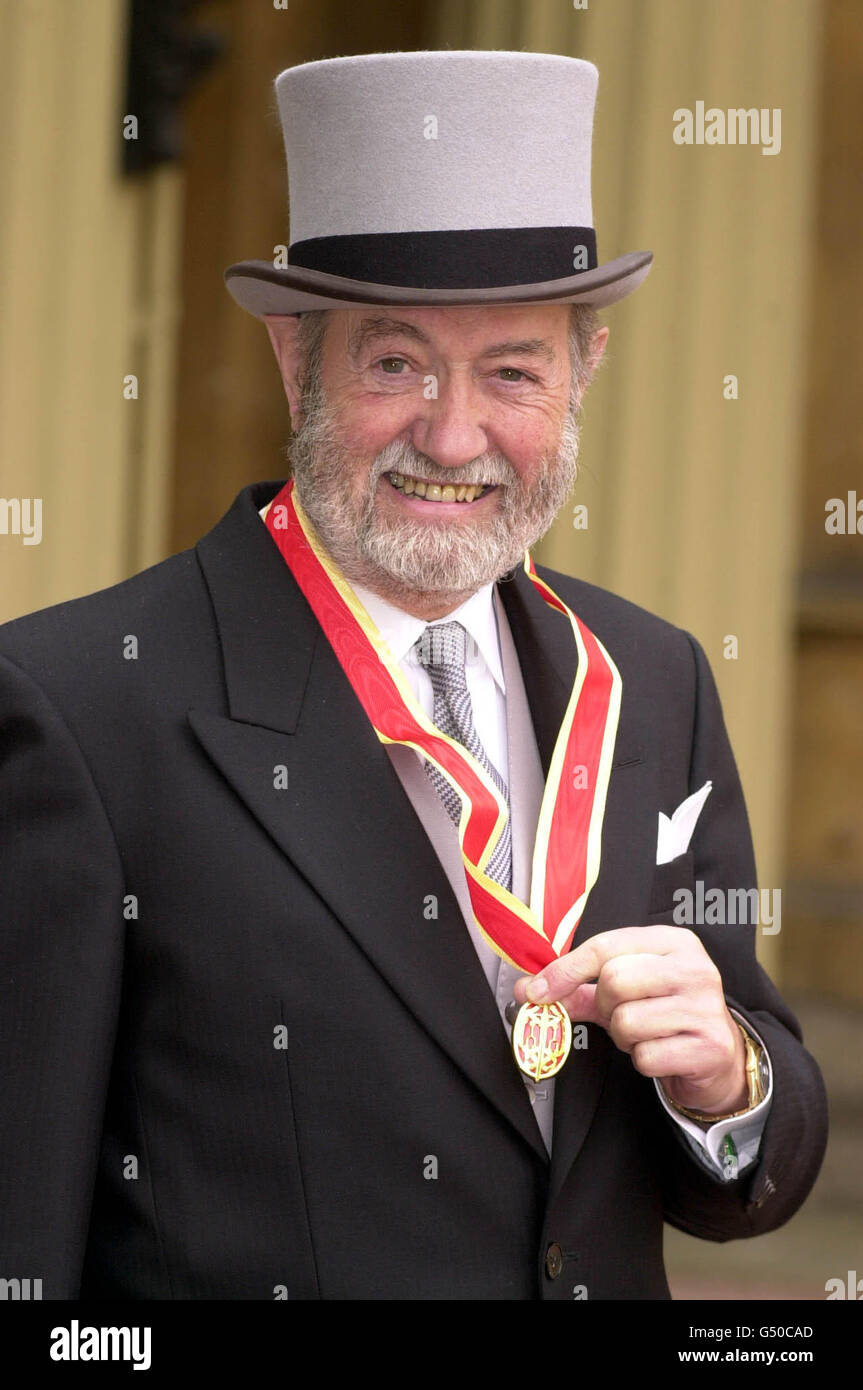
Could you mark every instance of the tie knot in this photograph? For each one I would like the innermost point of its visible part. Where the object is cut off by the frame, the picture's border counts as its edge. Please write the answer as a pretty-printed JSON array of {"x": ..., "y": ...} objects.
[{"x": 442, "y": 647}]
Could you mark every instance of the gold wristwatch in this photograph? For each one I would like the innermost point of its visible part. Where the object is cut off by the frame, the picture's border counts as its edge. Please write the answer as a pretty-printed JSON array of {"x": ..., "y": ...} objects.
[{"x": 757, "y": 1079}]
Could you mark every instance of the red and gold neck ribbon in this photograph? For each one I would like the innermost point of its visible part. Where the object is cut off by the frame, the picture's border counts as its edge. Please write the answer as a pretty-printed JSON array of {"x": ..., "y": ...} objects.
[{"x": 569, "y": 831}]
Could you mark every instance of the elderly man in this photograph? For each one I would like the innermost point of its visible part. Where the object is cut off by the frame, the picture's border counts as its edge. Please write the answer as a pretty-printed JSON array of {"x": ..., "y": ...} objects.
[{"x": 340, "y": 955}]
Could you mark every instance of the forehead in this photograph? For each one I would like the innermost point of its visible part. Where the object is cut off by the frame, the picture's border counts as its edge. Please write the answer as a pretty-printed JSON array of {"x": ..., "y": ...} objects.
[{"x": 465, "y": 330}]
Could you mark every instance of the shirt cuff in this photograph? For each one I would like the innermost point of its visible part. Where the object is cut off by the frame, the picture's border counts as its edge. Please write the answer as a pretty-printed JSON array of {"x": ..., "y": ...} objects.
[{"x": 729, "y": 1146}]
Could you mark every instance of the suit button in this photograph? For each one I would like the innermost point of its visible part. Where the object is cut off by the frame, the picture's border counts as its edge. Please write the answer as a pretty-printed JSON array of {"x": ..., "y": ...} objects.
[{"x": 553, "y": 1260}]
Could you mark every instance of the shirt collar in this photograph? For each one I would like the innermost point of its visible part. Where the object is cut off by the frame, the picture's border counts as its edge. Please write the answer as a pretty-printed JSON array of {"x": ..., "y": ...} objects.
[{"x": 400, "y": 629}]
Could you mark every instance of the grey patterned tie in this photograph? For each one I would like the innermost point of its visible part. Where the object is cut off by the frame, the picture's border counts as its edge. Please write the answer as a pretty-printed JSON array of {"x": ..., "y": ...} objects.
[{"x": 441, "y": 649}]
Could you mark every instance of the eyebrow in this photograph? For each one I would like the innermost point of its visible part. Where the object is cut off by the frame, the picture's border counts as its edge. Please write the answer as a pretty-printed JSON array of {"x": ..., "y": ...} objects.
[{"x": 371, "y": 330}]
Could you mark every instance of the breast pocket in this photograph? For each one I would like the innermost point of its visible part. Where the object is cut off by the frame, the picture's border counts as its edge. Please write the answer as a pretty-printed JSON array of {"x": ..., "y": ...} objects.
[{"x": 675, "y": 877}]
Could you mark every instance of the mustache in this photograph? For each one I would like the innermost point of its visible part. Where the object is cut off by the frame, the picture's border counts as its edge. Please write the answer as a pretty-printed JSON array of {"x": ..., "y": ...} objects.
[{"x": 402, "y": 457}]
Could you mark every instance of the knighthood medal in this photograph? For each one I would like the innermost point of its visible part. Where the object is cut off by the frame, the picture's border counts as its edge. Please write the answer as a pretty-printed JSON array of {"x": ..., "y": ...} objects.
[{"x": 541, "y": 1039}]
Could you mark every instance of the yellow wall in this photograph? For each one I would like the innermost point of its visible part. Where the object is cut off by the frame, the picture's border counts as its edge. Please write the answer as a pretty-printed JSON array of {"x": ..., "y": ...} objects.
[{"x": 87, "y": 267}]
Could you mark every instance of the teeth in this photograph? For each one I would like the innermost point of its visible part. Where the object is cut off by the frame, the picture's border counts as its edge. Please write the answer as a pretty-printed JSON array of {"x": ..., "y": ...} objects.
[{"x": 436, "y": 492}]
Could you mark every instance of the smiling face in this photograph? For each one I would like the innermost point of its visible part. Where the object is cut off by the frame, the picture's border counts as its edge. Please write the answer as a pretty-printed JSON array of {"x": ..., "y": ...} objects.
[{"x": 434, "y": 446}]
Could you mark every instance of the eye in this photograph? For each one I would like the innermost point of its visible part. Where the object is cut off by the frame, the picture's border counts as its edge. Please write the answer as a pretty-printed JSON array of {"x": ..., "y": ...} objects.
[
  {"x": 385, "y": 362},
  {"x": 523, "y": 376}
]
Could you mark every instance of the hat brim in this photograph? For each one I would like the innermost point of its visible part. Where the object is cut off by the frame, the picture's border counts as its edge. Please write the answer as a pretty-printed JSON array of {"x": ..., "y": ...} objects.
[{"x": 260, "y": 288}]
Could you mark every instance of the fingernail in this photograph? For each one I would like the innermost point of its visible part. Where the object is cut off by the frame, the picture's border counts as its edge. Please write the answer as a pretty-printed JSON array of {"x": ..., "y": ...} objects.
[{"x": 538, "y": 989}]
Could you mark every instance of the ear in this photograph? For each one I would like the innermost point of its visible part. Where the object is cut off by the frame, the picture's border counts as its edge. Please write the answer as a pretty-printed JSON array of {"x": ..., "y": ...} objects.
[
  {"x": 597, "y": 348},
  {"x": 282, "y": 329}
]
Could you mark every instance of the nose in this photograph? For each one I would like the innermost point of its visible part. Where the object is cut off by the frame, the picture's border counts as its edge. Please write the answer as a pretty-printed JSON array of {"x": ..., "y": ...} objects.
[{"x": 451, "y": 430}]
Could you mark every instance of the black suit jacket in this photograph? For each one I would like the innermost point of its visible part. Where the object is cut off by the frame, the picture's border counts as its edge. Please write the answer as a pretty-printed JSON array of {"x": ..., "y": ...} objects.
[{"x": 168, "y": 906}]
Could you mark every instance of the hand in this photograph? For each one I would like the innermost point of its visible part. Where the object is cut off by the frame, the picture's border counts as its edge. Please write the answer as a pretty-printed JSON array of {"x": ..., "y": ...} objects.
[{"x": 659, "y": 995}]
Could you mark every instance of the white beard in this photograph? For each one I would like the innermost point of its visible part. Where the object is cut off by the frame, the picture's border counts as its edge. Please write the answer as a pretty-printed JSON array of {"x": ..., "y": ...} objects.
[{"x": 404, "y": 557}]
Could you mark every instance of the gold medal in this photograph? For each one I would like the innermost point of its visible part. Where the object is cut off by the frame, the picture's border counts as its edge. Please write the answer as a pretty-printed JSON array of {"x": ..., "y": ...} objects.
[{"x": 541, "y": 1039}]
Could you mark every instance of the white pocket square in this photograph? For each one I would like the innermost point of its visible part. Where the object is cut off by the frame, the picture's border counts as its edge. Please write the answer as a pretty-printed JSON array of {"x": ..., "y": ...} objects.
[{"x": 676, "y": 832}]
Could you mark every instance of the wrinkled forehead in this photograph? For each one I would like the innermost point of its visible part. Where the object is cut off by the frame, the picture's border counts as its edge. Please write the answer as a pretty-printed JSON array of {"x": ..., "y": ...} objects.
[{"x": 540, "y": 330}]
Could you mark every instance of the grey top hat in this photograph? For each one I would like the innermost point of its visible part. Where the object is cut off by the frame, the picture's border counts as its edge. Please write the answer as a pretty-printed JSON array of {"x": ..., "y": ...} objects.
[{"x": 438, "y": 178}]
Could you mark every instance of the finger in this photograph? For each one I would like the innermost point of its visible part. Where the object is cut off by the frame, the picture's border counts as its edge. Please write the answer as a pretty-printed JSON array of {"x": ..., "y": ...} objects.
[
  {"x": 645, "y": 1020},
  {"x": 586, "y": 961},
  {"x": 636, "y": 977},
  {"x": 581, "y": 1005},
  {"x": 687, "y": 1055}
]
